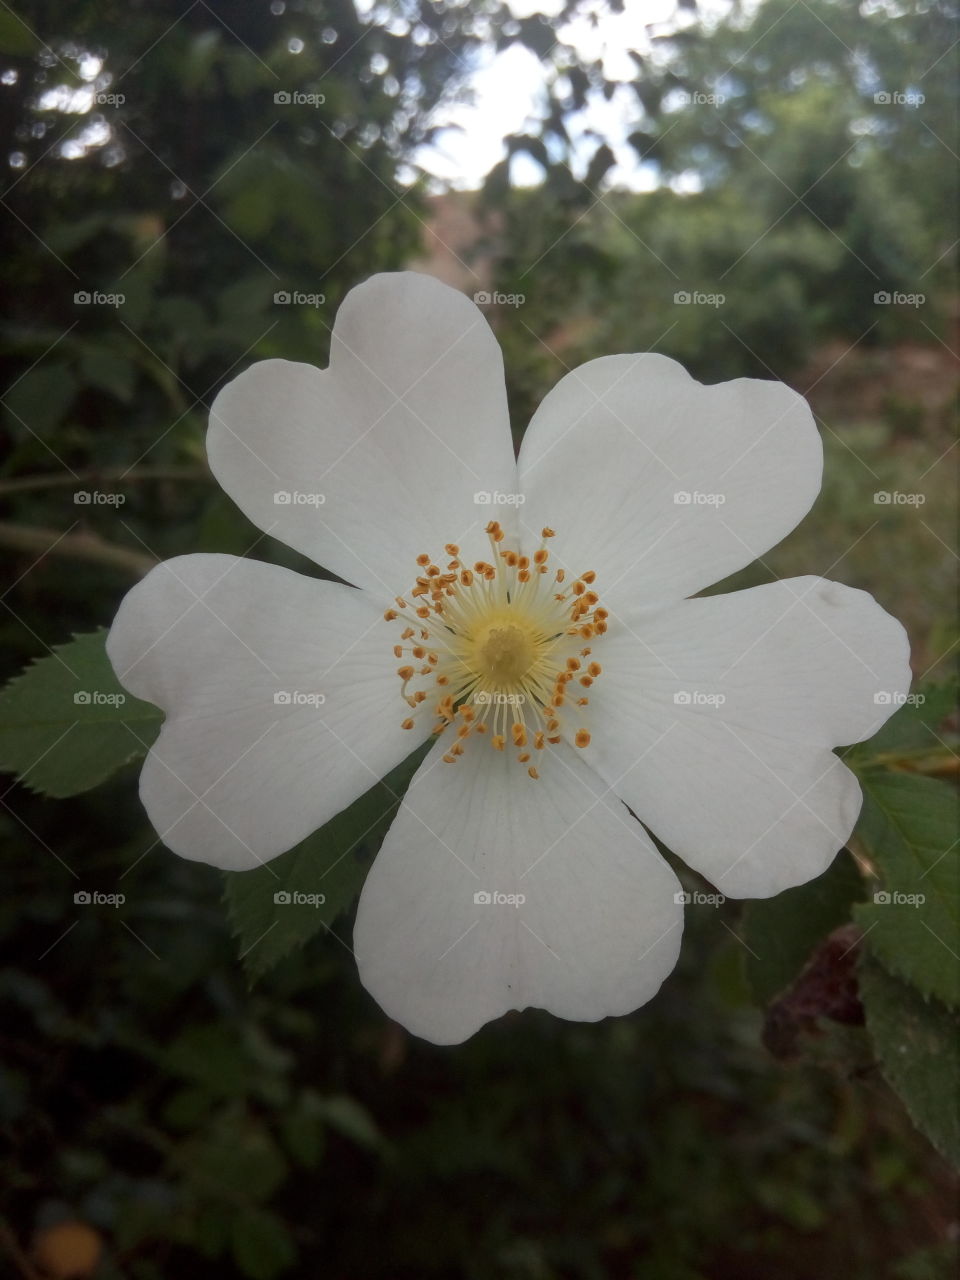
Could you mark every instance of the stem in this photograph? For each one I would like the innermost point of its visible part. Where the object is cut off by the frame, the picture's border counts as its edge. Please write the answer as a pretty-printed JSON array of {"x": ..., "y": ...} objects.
[
  {"x": 24, "y": 484},
  {"x": 74, "y": 546}
]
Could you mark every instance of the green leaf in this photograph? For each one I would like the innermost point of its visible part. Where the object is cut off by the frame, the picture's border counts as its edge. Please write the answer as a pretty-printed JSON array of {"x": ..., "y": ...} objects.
[
  {"x": 279, "y": 906},
  {"x": 781, "y": 933},
  {"x": 15, "y": 36},
  {"x": 261, "y": 1243},
  {"x": 349, "y": 1118},
  {"x": 918, "y": 1045},
  {"x": 914, "y": 729},
  {"x": 40, "y": 399},
  {"x": 66, "y": 723},
  {"x": 109, "y": 372},
  {"x": 908, "y": 830}
]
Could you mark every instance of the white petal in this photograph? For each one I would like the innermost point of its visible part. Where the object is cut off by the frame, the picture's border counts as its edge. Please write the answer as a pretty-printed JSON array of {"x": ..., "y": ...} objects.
[
  {"x": 746, "y": 789},
  {"x": 396, "y": 437},
  {"x": 237, "y": 777},
  {"x": 597, "y": 933},
  {"x": 617, "y": 440}
]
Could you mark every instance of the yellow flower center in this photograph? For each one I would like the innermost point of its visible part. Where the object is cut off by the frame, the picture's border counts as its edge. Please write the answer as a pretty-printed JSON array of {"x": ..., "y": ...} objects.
[{"x": 497, "y": 650}]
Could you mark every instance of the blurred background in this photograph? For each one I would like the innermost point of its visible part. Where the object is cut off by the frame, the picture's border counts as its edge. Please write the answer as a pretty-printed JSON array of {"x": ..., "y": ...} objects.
[{"x": 763, "y": 189}]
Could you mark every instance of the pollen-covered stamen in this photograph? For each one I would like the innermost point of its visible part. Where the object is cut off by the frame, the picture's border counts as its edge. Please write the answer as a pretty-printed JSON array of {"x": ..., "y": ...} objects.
[{"x": 496, "y": 648}]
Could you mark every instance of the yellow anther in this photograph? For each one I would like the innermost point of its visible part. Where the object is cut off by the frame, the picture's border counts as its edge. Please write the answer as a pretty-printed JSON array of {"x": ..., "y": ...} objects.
[
  {"x": 583, "y": 738},
  {"x": 406, "y": 724},
  {"x": 594, "y": 668},
  {"x": 389, "y": 615},
  {"x": 533, "y": 773},
  {"x": 497, "y": 742},
  {"x": 547, "y": 533}
]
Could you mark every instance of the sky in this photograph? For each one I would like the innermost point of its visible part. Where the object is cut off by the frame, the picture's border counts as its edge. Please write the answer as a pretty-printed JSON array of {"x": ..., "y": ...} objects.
[{"x": 506, "y": 87}]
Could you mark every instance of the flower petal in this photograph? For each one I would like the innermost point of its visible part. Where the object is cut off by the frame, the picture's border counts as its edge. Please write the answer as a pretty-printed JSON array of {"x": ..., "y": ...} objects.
[
  {"x": 379, "y": 456},
  {"x": 236, "y": 776},
  {"x": 746, "y": 790},
  {"x": 598, "y": 930},
  {"x": 663, "y": 485}
]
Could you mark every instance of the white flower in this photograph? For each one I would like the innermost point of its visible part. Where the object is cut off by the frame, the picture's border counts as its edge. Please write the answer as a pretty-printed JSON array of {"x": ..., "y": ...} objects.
[{"x": 555, "y": 642}]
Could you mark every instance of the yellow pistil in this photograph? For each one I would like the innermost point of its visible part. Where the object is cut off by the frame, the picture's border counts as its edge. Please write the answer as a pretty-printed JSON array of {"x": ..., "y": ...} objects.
[{"x": 499, "y": 642}]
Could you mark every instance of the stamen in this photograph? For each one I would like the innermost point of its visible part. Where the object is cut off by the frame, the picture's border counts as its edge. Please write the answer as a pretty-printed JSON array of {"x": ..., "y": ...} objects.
[{"x": 497, "y": 648}]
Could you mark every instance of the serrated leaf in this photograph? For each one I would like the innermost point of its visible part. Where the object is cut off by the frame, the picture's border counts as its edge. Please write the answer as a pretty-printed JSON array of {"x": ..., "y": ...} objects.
[
  {"x": 276, "y": 908},
  {"x": 66, "y": 723},
  {"x": 918, "y": 1044},
  {"x": 908, "y": 829},
  {"x": 261, "y": 1244},
  {"x": 781, "y": 933}
]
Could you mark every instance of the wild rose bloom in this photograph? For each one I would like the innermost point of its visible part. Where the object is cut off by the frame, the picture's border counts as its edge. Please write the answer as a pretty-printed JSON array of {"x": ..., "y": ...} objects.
[{"x": 534, "y": 615}]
